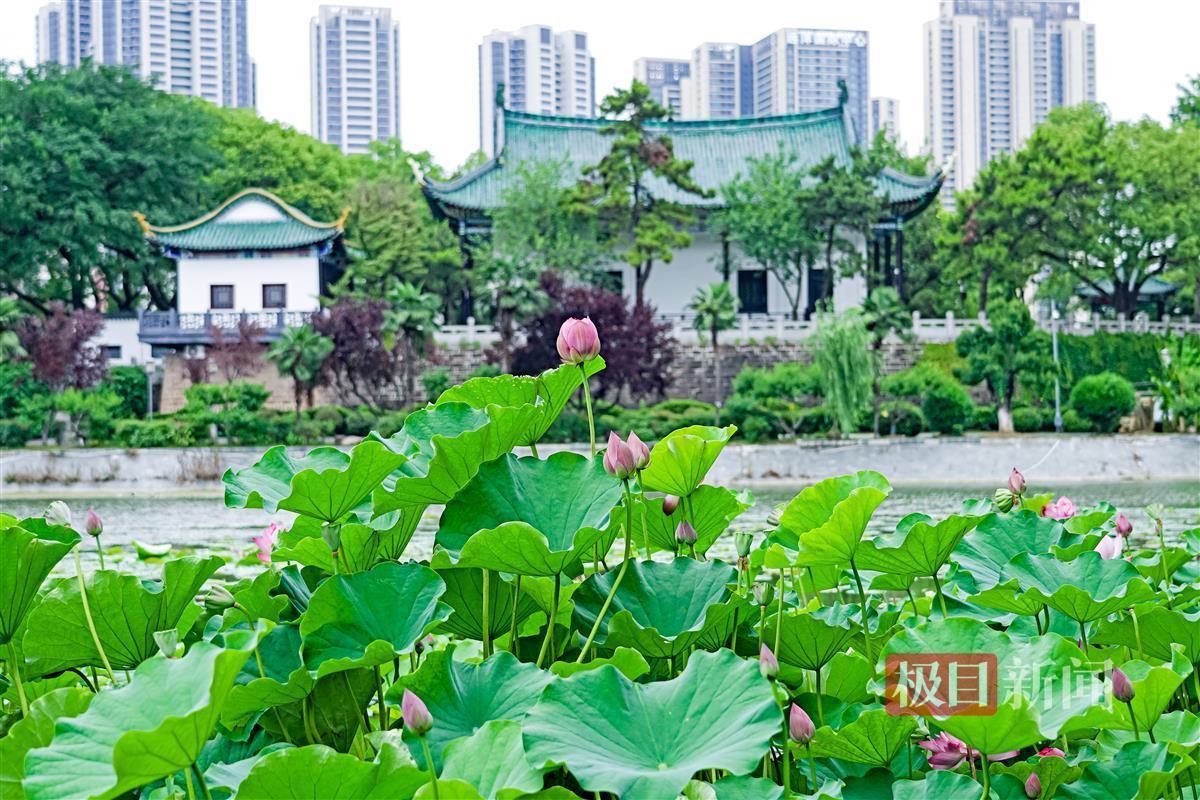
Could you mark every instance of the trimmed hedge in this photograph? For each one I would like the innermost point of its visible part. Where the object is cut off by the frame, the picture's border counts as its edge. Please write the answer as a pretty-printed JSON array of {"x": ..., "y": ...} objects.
[{"x": 1102, "y": 400}]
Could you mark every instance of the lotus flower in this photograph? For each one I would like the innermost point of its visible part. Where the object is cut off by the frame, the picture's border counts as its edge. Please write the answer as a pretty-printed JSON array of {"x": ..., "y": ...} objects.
[
  {"x": 265, "y": 542},
  {"x": 58, "y": 513},
  {"x": 670, "y": 503},
  {"x": 947, "y": 752},
  {"x": 1033, "y": 786},
  {"x": 1046, "y": 752},
  {"x": 93, "y": 524},
  {"x": 800, "y": 725},
  {"x": 415, "y": 713},
  {"x": 1062, "y": 508},
  {"x": 685, "y": 533},
  {"x": 1110, "y": 547},
  {"x": 578, "y": 341},
  {"x": 618, "y": 458},
  {"x": 641, "y": 453},
  {"x": 743, "y": 540},
  {"x": 217, "y": 599},
  {"x": 768, "y": 665},
  {"x": 424, "y": 644},
  {"x": 1123, "y": 525},
  {"x": 1016, "y": 482},
  {"x": 1122, "y": 689}
]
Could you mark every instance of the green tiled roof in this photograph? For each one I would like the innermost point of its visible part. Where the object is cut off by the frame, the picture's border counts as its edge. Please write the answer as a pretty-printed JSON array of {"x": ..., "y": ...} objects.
[
  {"x": 215, "y": 232},
  {"x": 719, "y": 149}
]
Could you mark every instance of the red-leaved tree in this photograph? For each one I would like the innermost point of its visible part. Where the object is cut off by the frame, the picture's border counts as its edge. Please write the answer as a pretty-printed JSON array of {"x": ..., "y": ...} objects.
[
  {"x": 238, "y": 355},
  {"x": 361, "y": 366},
  {"x": 57, "y": 346}
]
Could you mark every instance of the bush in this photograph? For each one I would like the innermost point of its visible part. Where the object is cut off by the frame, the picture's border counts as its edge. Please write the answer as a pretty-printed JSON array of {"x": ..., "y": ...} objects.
[
  {"x": 985, "y": 418},
  {"x": 129, "y": 384},
  {"x": 1027, "y": 419},
  {"x": 18, "y": 389},
  {"x": 1073, "y": 423},
  {"x": 435, "y": 381},
  {"x": 485, "y": 371},
  {"x": 15, "y": 433},
  {"x": 388, "y": 423},
  {"x": 359, "y": 421},
  {"x": 903, "y": 418},
  {"x": 244, "y": 427},
  {"x": 311, "y": 430},
  {"x": 151, "y": 433},
  {"x": 1102, "y": 400},
  {"x": 948, "y": 408},
  {"x": 914, "y": 381}
]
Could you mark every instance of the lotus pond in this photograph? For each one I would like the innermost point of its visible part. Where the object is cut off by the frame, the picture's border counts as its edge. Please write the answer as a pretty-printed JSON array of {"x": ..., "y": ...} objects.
[{"x": 599, "y": 626}]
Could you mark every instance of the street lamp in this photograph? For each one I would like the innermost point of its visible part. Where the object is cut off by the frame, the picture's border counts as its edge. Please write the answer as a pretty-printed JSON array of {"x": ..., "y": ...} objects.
[
  {"x": 150, "y": 369},
  {"x": 1058, "y": 420}
]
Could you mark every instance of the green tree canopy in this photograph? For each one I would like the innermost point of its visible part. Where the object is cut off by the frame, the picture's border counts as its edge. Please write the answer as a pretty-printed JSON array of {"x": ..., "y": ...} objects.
[
  {"x": 715, "y": 307},
  {"x": 1010, "y": 346}
]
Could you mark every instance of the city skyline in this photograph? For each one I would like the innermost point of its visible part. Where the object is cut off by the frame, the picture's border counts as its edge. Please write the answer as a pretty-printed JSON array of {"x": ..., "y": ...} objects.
[{"x": 1140, "y": 57}]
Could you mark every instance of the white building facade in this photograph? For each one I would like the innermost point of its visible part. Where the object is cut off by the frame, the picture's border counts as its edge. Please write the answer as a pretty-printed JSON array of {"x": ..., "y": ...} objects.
[
  {"x": 719, "y": 84},
  {"x": 663, "y": 76},
  {"x": 542, "y": 72},
  {"x": 190, "y": 47},
  {"x": 798, "y": 70},
  {"x": 354, "y": 55},
  {"x": 885, "y": 116},
  {"x": 993, "y": 71}
]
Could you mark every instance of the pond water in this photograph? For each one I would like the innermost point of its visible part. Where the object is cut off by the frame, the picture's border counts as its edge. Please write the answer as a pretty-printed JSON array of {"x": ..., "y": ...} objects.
[{"x": 202, "y": 524}]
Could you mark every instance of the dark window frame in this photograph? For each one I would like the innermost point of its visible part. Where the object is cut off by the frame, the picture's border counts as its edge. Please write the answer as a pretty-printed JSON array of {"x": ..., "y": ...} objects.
[
  {"x": 212, "y": 296},
  {"x": 282, "y": 287}
]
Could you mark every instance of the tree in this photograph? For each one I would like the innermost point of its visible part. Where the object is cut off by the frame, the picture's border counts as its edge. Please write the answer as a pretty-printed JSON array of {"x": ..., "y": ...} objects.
[
  {"x": 10, "y": 318},
  {"x": 1009, "y": 346},
  {"x": 239, "y": 355},
  {"x": 1187, "y": 109},
  {"x": 769, "y": 213},
  {"x": 60, "y": 350},
  {"x": 360, "y": 366},
  {"x": 642, "y": 226},
  {"x": 884, "y": 315},
  {"x": 84, "y": 149},
  {"x": 300, "y": 354},
  {"x": 844, "y": 207},
  {"x": 716, "y": 310},
  {"x": 410, "y": 320},
  {"x": 843, "y": 357}
]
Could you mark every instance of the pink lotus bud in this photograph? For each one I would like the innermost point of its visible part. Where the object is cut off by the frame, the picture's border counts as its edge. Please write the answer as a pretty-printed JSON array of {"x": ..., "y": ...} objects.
[
  {"x": 768, "y": 665},
  {"x": 946, "y": 759},
  {"x": 93, "y": 524},
  {"x": 1109, "y": 547},
  {"x": 800, "y": 725},
  {"x": 578, "y": 341},
  {"x": 1123, "y": 525},
  {"x": 1016, "y": 481},
  {"x": 618, "y": 458},
  {"x": 641, "y": 453},
  {"x": 1046, "y": 752},
  {"x": 1060, "y": 509},
  {"x": 265, "y": 542},
  {"x": 685, "y": 533},
  {"x": 1122, "y": 689},
  {"x": 670, "y": 503},
  {"x": 415, "y": 713},
  {"x": 1033, "y": 786}
]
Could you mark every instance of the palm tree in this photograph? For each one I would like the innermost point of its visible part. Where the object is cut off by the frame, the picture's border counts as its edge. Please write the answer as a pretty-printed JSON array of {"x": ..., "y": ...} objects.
[
  {"x": 410, "y": 322},
  {"x": 884, "y": 314},
  {"x": 716, "y": 310},
  {"x": 300, "y": 354}
]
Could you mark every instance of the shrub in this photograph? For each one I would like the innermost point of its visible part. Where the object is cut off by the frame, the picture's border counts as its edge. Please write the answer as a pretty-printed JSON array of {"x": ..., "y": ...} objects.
[
  {"x": 17, "y": 386},
  {"x": 485, "y": 371},
  {"x": 312, "y": 429},
  {"x": 1074, "y": 423},
  {"x": 435, "y": 381},
  {"x": 948, "y": 408},
  {"x": 128, "y": 384},
  {"x": 14, "y": 433},
  {"x": 333, "y": 416},
  {"x": 244, "y": 427},
  {"x": 903, "y": 418},
  {"x": 914, "y": 381},
  {"x": 1102, "y": 400},
  {"x": 388, "y": 423},
  {"x": 151, "y": 433},
  {"x": 360, "y": 421},
  {"x": 1027, "y": 419},
  {"x": 985, "y": 418}
]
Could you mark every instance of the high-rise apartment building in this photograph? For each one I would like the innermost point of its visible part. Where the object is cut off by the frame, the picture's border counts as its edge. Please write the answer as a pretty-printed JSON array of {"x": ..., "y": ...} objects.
[
  {"x": 663, "y": 76},
  {"x": 798, "y": 69},
  {"x": 354, "y": 55},
  {"x": 993, "y": 71},
  {"x": 192, "y": 47},
  {"x": 885, "y": 116},
  {"x": 719, "y": 84},
  {"x": 542, "y": 72}
]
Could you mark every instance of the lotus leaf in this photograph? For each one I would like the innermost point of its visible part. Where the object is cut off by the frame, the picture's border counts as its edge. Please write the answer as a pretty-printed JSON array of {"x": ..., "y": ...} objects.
[
  {"x": 747, "y": 787},
  {"x": 809, "y": 641},
  {"x": 874, "y": 738},
  {"x": 630, "y": 662},
  {"x": 660, "y": 609},
  {"x": 127, "y": 612},
  {"x": 334, "y": 709},
  {"x": 1153, "y": 689},
  {"x": 493, "y": 761},
  {"x": 1085, "y": 589},
  {"x": 709, "y": 510},
  {"x": 152, "y": 727},
  {"x": 996, "y": 540},
  {"x": 938, "y": 785},
  {"x": 1013, "y": 725},
  {"x": 681, "y": 459},
  {"x": 1140, "y": 771},
  {"x": 304, "y": 773},
  {"x": 352, "y": 620},
  {"x": 462, "y": 696},
  {"x": 530, "y": 517},
  {"x": 1156, "y": 630},
  {"x": 830, "y": 517},
  {"x": 36, "y": 730},
  {"x": 464, "y": 595},
  {"x": 283, "y": 679},
  {"x": 29, "y": 549},
  {"x": 644, "y": 742},
  {"x": 920, "y": 547}
]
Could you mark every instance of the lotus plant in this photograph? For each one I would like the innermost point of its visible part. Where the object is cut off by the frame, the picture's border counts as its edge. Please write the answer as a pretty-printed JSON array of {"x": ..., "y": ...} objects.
[
  {"x": 94, "y": 526},
  {"x": 265, "y": 542},
  {"x": 800, "y": 729},
  {"x": 578, "y": 343},
  {"x": 1011, "y": 494},
  {"x": 418, "y": 720},
  {"x": 1060, "y": 509}
]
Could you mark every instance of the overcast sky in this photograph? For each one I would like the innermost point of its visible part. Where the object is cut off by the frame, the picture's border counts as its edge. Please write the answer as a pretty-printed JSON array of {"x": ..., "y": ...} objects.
[{"x": 1144, "y": 49}]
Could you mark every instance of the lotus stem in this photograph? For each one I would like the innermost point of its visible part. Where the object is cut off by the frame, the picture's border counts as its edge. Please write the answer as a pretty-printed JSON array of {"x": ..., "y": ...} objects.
[
  {"x": 383, "y": 720},
  {"x": 533, "y": 449},
  {"x": 616, "y": 581},
  {"x": 587, "y": 401},
  {"x": 191, "y": 789},
  {"x": 937, "y": 587},
  {"x": 762, "y": 615},
  {"x": 778, "y": 619},
  {"x": 549, "y": 638},
  {"x": 862, "y": 596},
  {"x": 204, "y": 792},
  {"x": 785, "y": 766},
  {"x": 987, "y": 776},
  {"x": 487, "y": 633},
  {"x": 429, "y": 762},
  {"x": 1133, "y": 721},
  {"x": 15, "y": 667},
  {"x": 87, "y": 613},
  {"x": 813, "y": 581},
  {"x": 642, "y": 517},
  {"x": 913, "y": 600},
  {"x": 1137, "y": 636},
  {"x": 512, "y": 633},
  {"x": 1083, "y": 636},
  {"x": 820, "y": 704},
  {"x": 100, "y": 552},
  {"x": 798, "y": 586}
]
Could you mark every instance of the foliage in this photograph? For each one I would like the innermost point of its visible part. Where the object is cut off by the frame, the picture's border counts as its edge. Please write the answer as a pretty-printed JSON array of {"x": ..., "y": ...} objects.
[
  {"x": 996, "y": 355},
  {"x": 361, "y": 366},
  {"x": 885, "y": 317},
  {"x": 300, "y": 354},
  {"x": 842, "y": 354},
  {"x": 129, "y": 384},
  {"x": 138, "y": 433},
  {"x": 1102, "y": 400},
  {"x": 947, "y": 407},
  {"x": 237, "y": 355},
  {"x": 845, "y": 206},
  {"x": 1187, "y": 109},
  {"x": 410, "y": 320},
  {"x": 715, "y": 307}
]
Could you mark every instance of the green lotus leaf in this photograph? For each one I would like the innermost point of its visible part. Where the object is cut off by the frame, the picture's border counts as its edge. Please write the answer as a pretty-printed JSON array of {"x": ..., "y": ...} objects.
[
  {"x": 1089, "y": 519},
  {"x": 874, "y": 738},
  {"x": 151, "y": 727},
  {"x": 254, "y": 596},
  {"x": 462, "y": 696},
  {"x": 996, "y": 540},
  {"x": 1140, "y": 771},
  {"x": 1013, "y": 725},
  {"x": 127, "y": 611},
  {"x": 808, "y": 641},
  {"x": 36, "y": 730},
  {"x": 1153, "y": 689},
  {"x": 283, "y": 679},
  {"x": 360, "y": 547},
  {"x": 228, "y": 775},
  {"x": 1010, "y": 597},
  {"x": 316, "y": 771},
  {"x": 369, "y": 618},
  {"x": 681, "y": 459},
  {"x": 1085, "y": 589},
  {"x": 530, "y": 517},
  {"x": 830, "y": 517},
  {"x": 712, "y": 509},
  {"x": 661, "y": 609},
  {"x": 493, "y": 761},
  {"x": 747, "y": 787},
  {"x": 326, "y": 484},
  {"x": 630, "y": 662},
  {"x": 846, "y": 677},
  {"x": 1052, "y": 771},
  {"x": 29, "y": 549},
  {"x": 1159, "y": 629},
  {"x": 464, "y": 595},
  {"x": 1179, "y": 730},
  {"x": 444, "y": 446},
  {"x": 938, "y": 785},
  {"x": 644, "y": 742},
  {"x": 549, "y": 392},
  {"x": 334, "y": 710},
  {"x": 1029, "y": 667},
  {"x": 920, "y": 547}
]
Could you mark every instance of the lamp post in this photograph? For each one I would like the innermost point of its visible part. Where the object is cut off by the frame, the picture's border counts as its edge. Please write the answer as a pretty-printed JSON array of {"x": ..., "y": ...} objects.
[
  {"x": 149, "y": 389},
  {"x": 1058, "y": 420}
]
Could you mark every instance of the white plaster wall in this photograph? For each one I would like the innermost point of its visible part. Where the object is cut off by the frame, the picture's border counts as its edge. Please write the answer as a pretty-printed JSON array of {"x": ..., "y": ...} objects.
[
  {"x": 252, "y": 209},
  {"x": 301, "y": 274},
  {"x": 123, "y": 333}
]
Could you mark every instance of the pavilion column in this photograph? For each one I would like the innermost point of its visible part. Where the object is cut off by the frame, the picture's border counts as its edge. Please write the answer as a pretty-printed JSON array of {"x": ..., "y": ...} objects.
[{"x": 899, "y": 280}]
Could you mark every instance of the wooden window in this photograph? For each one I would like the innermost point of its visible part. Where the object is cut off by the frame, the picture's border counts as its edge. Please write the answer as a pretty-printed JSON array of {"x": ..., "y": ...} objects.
[
  {"x": 220, "y": 295},
  {"x": 274, "y": 295}
]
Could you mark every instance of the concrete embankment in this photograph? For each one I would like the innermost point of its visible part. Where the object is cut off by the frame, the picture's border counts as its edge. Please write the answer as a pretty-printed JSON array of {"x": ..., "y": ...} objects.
[{"x": 963, "y": 461}]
